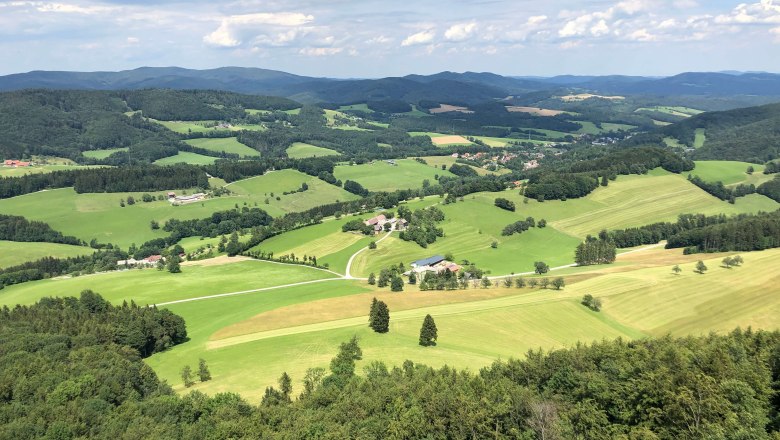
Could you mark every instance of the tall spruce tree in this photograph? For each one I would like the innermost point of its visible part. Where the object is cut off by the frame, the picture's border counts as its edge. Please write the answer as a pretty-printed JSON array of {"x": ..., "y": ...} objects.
[
  {"x": 428, "y": 332},
  {"x": 381, "y": 320},
  {"x": 203, "y": 370},
  {"x": 372, "y": 313}
]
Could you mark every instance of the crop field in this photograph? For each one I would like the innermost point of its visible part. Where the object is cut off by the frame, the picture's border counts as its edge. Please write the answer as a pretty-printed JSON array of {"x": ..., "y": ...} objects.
[
  {"x": 14, "y": 252},
  {"x": 186, "y": 157},
  {"x": 189, "y": 126},
  {"x": 152, "y": 286},
  {"x": 382, "y": 176},
  {"x": 471, "y": 226},
  {"x": 450, "y": 140},
  {"x": 728, "y": 172},
  {"x": 99, "y": 216},
  {"x": 300, "y": 150},
  {"x": 228, "y": 145},
  {"x": 102, "y": 154},
  {"x": 249, "y": 340},
  {"x": 534, "y": 111}
]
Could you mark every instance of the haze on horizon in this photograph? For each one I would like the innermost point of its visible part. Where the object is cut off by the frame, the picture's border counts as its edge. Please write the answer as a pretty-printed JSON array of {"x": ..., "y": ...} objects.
[{"x": 371, "y": 39}]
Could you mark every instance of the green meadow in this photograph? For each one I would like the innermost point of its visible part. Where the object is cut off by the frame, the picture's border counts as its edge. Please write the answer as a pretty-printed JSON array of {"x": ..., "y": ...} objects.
[
  {"x": 102, "y": 154},
  {"x": 99, "y": 215},
  {"x": 473, "y": 225},
  {"x": 591, "y": 128},
  {"x": 249, "y": 340},
  {"x": 13, "y": 253},
  {"x": 382, "y": 176},
  {"x": 186, "y": 157},
  {"x": 152, "y": 286},
  {"x": 300, "y": 150},
  {"x": 700, "y": 138},
  {"x": 40, "y": 169},
  {"x": 728, "y": 172},
  {"x": 228, "y": 145}
]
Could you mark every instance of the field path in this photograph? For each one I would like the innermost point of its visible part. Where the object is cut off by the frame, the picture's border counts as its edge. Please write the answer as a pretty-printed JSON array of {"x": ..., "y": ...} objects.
[{"x": 348, "y": 274}]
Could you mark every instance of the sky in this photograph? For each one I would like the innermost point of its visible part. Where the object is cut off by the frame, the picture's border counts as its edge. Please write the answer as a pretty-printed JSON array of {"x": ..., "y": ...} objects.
[{"x": 370, "y": 38}]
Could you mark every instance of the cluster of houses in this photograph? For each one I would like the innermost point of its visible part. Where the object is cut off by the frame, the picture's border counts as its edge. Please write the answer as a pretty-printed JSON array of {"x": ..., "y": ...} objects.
[
  {"x": 436, "y": 264},
  {"x": 16, "y": 163},
  {"x": 379, "y": 222},
  {"x": 183, "y": 200},
  {"x": 149, "y": 261}
]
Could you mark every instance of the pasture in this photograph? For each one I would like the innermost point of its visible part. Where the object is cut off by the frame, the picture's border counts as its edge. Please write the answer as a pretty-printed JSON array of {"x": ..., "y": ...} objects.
[
  {"x": 606, "y": 127},
  {"x": 448, "y": 161},
  {"x": 300, "y": 150},
  {"x": 38, "y": 169},
  {"x": 186, "y": 157},
  {"x": 249, "y": 340},
  {"x": 98, "y": 215},
  {"x": 472, "y": 225},
  {"x": 152, "y": 286},
  {"x": 534, "y": 110},
  {"x": 700, "y": 138},
  {"x": 227, "y": 145},
  {"x": 728, "y": 172},
  {"x": 382, "y": 176},
  {"x": 13, "y": 253},
  {"x": 684, "y": 112}
]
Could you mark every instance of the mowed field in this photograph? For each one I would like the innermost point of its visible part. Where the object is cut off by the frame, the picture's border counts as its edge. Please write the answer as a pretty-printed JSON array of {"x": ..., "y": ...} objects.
[
  {"x": 102, "y": 154},
  {"x": 228, "y": 145},
  {"x": 152, "y": 286},
  {"x": 472, "y": 225},
  {"x": 186, "y": 157},
  {"x": 249, "y": 340},
  {"x": 16, "y": 172},
  {"x": 382, "y": 176},
  {"x": 13, "y": 253},
  {"x": 99, "y": 216},
  {"x": 300, "y": 150}
]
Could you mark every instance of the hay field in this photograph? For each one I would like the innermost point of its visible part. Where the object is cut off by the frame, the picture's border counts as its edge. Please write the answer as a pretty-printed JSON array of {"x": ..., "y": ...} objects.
[
  {"x": 228, "y": 145},
  {"x": 381, "y": 176},
  {"x": 450, "y": 140},
  {"x": 534, "y": 110}
]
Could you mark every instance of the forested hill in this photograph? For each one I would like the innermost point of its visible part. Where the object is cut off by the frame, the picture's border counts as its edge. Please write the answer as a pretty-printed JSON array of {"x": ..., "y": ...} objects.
[
  {"x": 66, "y": 122},
  {"x": 748, "y": 134}
]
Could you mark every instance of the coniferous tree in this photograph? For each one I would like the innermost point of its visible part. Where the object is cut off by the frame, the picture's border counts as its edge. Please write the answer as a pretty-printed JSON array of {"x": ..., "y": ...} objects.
[
  {"x": 203, "y": 371},
  {"x": 412, "y": 278},
  {"x": 372, "y": 312},
  {"x": 397, "y": 284},
  {"x": 428, "y": 333},
  {"x": 381, "y": 320},
  {"x": 173, "y": 264},
  {"x": 371, "y": 278}
]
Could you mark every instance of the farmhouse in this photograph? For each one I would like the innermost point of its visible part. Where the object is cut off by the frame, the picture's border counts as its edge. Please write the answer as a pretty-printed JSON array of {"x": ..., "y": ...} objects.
[
  {"x": 132, "y": 262},
  {"x": 16, "y": 163},
  {"x": 379, "y": 220},
  {"x": 430, "y": 261},
  {"x": 436, "y": 264}
]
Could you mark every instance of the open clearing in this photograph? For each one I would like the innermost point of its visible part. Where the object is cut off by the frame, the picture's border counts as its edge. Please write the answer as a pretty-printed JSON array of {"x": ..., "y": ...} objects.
[
  {"x": 584, "y": 96},
  {"x": 13, "y": 253},
  {"x": 684, "y": 112},
  {"x": 382, "y": 176},
  {"x": 446, "y": 108},
  {"x": 700, "y": 138},
  {"x": 186, "y": 157},
  {"x": 300, "y": 150},
  {"x": 591, "y": 128},
  {"x": 450, "y": 140},
  {"x": 534, "y": 110},
  {"x": 448, "y": 161},
  {"x": 728, "y": 172},
  {"x": 40, "y": 169},
  {"x": 102, "y": 154},
  {"x": 227, "y": 145}
]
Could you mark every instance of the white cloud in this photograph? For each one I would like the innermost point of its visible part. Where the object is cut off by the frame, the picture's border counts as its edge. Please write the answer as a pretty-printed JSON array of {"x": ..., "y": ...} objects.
[
  {"x": 320, "y": 51},
  {"x": 379, "y": 40},
  {"x": 642, "y": 35},
  {"x": 423, "y": 37},
  {"x": 576, "y": 27},
  {"x": 536, "y": 19},
  {"x": 599, "y": 29},
  {"x": 70, "y": 8},
  {"x": 226, "y": 35},
  {"x": 461, "y": 31},
  {"x": 763, "y": 12},
  {"x": 132, "y": 41}
]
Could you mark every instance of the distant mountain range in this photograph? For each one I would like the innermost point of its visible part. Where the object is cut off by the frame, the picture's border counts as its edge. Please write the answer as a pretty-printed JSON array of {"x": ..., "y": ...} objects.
[{"x": 450, "y": 87}]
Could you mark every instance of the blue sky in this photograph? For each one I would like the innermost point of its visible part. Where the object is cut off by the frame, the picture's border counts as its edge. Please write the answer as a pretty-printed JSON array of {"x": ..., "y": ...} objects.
[{"x": 370, "y": 38}]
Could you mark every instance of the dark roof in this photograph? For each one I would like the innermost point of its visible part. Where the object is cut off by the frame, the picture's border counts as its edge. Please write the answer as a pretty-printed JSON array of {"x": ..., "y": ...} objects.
[{"x": 428, "y": 261}]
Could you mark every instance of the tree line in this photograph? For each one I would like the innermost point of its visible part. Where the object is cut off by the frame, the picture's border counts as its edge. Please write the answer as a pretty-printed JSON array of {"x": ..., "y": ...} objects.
[
  {"x": 16, "y": 228},
  {"x": 49, "y": 267}
]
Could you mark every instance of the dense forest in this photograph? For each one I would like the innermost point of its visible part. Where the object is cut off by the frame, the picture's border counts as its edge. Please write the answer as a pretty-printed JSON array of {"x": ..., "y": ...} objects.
[
  {"x": 72, "y": 368},
  {"x": 700, "y": 233}
]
